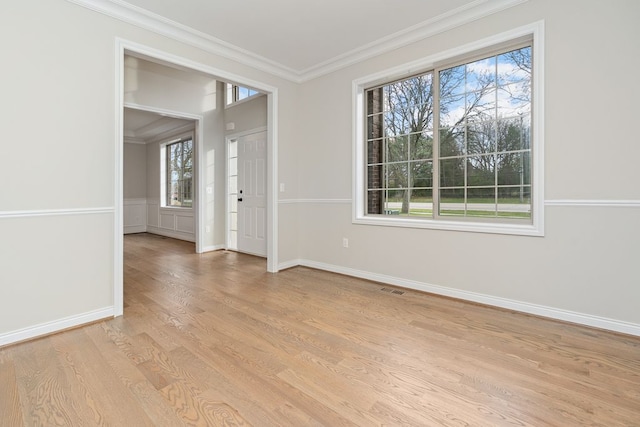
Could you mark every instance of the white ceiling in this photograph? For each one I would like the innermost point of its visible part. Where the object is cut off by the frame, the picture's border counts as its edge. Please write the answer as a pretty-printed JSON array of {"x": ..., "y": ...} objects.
[
  {"x": 300, "y": 34},
  {"x": 143, "y": 126},
  {"x": 298, "y": 39}
]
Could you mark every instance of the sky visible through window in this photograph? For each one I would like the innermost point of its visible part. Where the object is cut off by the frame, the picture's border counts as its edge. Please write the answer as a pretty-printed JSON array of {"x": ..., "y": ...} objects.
[{"x": 484, "y": 151}]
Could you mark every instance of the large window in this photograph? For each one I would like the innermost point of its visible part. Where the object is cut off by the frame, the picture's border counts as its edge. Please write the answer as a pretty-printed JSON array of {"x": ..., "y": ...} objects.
[
  {"x": 179, "y": 173},
  {"x": 452, "y": 144}
]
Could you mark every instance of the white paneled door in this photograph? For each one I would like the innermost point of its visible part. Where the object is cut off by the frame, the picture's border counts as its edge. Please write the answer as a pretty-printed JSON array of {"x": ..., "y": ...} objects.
[{"x": 252, "y": 194}]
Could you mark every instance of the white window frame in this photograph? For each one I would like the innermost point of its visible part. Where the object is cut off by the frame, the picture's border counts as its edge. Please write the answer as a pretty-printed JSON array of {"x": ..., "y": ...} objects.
[
  {"x": 163, "y": 169},
  {"x": 534, "y": 228}
]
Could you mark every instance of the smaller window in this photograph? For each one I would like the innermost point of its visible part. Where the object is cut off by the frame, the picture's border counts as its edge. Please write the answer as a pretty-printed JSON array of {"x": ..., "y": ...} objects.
[
  {"x": 237, "y": 93},
  {"x": 179, "y": 173}
]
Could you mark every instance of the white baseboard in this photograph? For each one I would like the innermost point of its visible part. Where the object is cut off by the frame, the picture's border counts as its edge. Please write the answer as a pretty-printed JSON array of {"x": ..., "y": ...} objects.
[
  {"x": 212, "y": 248},
  {"x": 524, "y": 307},
  {"x": 54, "y": 326},
  {"x": 290, "y": 264},
  {"x": 129, "y": 229},
  {"x": 189, "y": 237}
]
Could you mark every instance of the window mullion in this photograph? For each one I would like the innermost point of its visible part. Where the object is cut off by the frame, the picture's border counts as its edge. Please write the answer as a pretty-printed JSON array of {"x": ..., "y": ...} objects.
[
  {"x": 435, "y": 191},
  {"x": 168, "y": 177}
]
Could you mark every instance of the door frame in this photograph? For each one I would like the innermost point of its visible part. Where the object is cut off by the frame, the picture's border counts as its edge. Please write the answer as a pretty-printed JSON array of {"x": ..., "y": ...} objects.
[
  {"x": 228, "y": 139},
  {"x": 124, "y": 47}
]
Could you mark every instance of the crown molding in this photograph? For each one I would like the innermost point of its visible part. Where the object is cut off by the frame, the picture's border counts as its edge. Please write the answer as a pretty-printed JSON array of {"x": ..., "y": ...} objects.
[
  {"x": 147, "y": 20},
  {"x": 429, "y": 28},
  {"x": 144, "y": 19},
  {"x": 134, "y": 140}
]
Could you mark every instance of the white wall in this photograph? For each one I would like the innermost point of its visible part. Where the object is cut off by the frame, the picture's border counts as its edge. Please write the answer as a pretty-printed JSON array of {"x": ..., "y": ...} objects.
[
  {"x": 134, "y": 183},
  {"x": 134, "y": 171},
  {"x": 57, "y": 227},
  {"x": 584, "y": 269},
  {"x": 247, "y": 115}
]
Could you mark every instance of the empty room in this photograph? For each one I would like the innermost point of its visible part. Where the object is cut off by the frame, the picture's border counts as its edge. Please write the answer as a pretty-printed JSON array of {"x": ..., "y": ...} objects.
[{"x": 355, "y": 212}]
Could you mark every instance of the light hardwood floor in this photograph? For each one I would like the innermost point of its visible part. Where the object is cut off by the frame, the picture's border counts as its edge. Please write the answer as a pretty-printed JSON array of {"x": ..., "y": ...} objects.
[{"x": 213, "y": 339}]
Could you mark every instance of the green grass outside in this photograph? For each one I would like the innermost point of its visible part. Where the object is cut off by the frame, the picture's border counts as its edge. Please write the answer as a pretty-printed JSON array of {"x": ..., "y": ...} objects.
[
  {"x": 470, "y": 213},
  {"x": 510, "y": 200}
]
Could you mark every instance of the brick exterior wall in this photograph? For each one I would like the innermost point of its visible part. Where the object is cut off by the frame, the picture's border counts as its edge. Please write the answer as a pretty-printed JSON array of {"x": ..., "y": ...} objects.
[{"x": 375, "y": 124}]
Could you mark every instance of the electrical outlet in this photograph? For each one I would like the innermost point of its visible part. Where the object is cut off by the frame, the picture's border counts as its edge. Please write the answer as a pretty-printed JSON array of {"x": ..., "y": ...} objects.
[
  {"x": 345, "y": 242},
  {"x": 207, "y": 229}
]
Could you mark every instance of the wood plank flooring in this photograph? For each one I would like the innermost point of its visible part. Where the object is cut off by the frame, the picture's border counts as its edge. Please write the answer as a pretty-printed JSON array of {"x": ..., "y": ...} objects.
[{"x": 213, "y": 339}]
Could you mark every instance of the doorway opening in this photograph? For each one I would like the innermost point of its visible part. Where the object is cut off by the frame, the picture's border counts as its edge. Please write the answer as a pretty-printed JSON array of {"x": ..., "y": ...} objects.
[
  {"x": 158, "y": 185},
  {"x": 205, "y": 168}
]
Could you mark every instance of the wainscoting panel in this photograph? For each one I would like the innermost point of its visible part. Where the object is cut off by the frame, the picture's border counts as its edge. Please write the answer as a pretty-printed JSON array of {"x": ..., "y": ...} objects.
[
  {"x": 135, "y": 216},
  {"x": 170, "y": 222},
  {"x": 153, "y": 213},
  {"x": 146, "y": 215},
  {"x": 184, "y": 223},
  {"x": 167, "y": 220}
]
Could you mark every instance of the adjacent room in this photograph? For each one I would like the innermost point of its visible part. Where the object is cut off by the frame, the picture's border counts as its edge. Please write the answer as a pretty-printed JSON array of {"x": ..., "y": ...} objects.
[{"x": 334, "y": 213}]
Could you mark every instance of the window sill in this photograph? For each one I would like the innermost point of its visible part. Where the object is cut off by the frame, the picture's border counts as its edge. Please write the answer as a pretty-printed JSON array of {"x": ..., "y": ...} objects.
[{"x": 468, "y": 226}]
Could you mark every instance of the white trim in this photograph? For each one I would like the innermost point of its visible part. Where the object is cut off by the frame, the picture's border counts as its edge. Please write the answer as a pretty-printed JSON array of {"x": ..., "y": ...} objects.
[
  {"x": 315, "y": 201},
  {"x": 227, "y": 216},
  {"x": 290, "y": 264},
  {"x": 595, "y": 203},
  {"x": 134, "y": 229},
  {"x": 468, "y": 226},
  {"x": 55, "y": 212},
  {"x": 55, "y": 326},
  {"x": 118, "y": 187},
  {"x": 536, "y": 228},
  {"x": 272, "y": 181},
  {"x": 142, "y": 18},
  {"x": 237, "y": 135},
  {"x": 524, "y": 307},
  {"x": 174, "y": 234}
]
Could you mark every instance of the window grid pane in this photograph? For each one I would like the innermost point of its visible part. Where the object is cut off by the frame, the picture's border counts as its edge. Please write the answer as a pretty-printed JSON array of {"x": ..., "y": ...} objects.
[
  {"x": 484, "y": 141},
  {"x": 400, "y": 148},
  {"x": 179, "y": 170},
  {"x": 485, "y": 137}
]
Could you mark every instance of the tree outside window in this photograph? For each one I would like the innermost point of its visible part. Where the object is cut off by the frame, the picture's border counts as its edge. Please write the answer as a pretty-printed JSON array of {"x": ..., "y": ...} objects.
[
  {"x": 179, "y": 170},
  {"x": 477, "y": 164}
]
